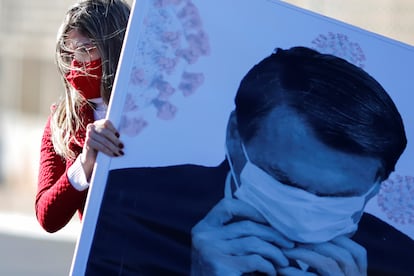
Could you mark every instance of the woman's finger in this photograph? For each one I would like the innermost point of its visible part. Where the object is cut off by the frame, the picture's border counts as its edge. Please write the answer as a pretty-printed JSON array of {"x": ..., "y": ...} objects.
[
  {"x": 100, "y": 144},
  {"x": 105, "y": 123},
  {"x": 111, "y": 135},
  {"x": 104, "y": 140}
]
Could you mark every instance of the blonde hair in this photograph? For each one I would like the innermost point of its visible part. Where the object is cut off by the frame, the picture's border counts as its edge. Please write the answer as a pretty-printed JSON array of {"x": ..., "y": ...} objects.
[{"x": 105, "y": 22}]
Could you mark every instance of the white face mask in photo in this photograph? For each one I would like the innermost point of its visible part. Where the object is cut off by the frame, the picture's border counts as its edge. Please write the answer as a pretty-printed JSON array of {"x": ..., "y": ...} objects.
[{"x": 299, "y": 215}]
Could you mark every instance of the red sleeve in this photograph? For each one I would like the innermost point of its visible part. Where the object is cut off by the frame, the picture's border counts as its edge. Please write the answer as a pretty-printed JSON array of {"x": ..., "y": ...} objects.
[{"x": 56, "y": 199}]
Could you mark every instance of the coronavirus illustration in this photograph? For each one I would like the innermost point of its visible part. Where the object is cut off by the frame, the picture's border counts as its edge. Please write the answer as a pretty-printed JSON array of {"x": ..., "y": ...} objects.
[
  {"x": 340, "y": 45},
  {"x": 172, "y": 40},
  {"x": 396, "y": 199}
]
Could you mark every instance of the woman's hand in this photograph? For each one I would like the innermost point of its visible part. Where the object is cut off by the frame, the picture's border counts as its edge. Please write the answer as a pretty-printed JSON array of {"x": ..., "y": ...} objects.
[
  {"x": 234, "y": 239},
  {"x": 100, "y": 136}
]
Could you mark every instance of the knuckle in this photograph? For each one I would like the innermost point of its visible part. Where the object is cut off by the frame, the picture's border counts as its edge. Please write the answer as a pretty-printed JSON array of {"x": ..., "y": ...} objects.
[
  {"x": 202, "y": 240},
  {"x": 226, "y": 203},
  {"x": 106, "y": 123},
  {"x": 252, "y": 240},
  {"x": 348, "y": 260},
  {"x": 196, "y": 240},
  {"x": 362, "y": 251},
  {"x": 196, "y": 230},
  {"x": 227, "y": 206},
  {"x": 254, "y": 259},
  {"x": 248, "y": 225}
]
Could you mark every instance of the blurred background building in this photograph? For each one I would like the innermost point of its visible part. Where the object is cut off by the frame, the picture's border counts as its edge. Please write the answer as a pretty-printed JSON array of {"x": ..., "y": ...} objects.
[{"x": 29, "y": 84}]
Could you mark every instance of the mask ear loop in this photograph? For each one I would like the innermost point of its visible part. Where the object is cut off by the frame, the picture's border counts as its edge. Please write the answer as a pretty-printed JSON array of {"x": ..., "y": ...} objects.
[
  {"x": 231, "y": 164},
  {"x": 372, "y": 192},
  {"x": 245, "y": 153},
  {"x": 233, "y": 174}
]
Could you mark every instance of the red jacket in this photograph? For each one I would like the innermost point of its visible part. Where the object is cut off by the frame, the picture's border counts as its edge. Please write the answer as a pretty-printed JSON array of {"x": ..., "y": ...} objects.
[{"x": 56, "y": 199}]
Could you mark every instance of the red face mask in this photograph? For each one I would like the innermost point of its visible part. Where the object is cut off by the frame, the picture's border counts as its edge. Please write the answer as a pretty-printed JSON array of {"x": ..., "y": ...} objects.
[{"x": 87, "y": 80}]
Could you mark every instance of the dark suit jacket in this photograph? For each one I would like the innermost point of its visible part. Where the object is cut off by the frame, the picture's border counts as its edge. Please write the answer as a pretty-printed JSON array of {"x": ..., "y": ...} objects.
[{"x": 147, "y": 214}]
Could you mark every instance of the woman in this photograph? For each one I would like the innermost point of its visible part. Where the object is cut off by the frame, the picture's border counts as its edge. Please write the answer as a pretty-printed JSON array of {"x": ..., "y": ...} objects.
[{"x": 87, "y": 52}]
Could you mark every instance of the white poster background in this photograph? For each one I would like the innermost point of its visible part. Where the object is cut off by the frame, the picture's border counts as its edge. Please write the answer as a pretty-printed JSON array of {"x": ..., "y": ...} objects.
[{"x": 238, "y": 35}]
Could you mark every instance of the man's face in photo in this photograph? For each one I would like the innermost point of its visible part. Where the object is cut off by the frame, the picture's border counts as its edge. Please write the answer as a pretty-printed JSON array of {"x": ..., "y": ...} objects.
[{"x": 287, "y": 149}]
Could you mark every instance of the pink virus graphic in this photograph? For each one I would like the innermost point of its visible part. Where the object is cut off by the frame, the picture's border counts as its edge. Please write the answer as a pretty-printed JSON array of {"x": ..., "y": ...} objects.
[
  {"x": 166, "y": 110},
  {"x": 165, "y": 90},
  {"x": 171, "y": 38},
  {"x": 173, "y": 41},
  {"x": 396, "y": 199},
  {"x": 137, "y": 77},
  {"x": 163, "y": 3},
  {"x": 132, "y": 126},
  {"x": 190, "y": 82},
  {"x": 339, "y": 45},
  {"x": 129, "y": 104},
  {"x": 198, "y": 46},
  {"x": 167, "y": 64}
]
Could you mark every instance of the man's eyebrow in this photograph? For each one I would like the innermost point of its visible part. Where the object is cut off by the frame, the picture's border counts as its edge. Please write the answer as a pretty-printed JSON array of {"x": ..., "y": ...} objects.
[{"x": 281, "y": 176}]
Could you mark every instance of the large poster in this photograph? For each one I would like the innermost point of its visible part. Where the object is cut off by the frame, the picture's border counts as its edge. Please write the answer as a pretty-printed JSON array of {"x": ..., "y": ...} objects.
[{"x": 180, "y": 68}]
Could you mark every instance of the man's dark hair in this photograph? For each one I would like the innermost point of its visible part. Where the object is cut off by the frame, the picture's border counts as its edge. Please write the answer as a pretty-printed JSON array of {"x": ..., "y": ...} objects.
[{"x": 347, "y": 109}]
